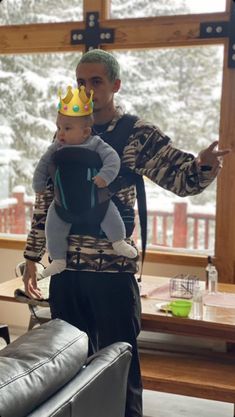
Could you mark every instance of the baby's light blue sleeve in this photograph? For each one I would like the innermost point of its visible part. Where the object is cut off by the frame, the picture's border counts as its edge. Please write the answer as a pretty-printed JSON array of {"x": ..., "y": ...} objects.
[{"x": 41, "y": 173}]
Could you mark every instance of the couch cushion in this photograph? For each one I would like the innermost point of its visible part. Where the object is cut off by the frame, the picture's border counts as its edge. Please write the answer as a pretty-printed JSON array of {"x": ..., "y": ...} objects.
[{"x": 37, "y": 364}]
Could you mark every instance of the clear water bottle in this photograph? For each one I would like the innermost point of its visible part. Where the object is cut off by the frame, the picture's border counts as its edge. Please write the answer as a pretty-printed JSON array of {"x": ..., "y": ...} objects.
[
  {"x": 208, "y": 268},
  {"x": 197, "y": 302},
  {"x": 213, "y": 280}
]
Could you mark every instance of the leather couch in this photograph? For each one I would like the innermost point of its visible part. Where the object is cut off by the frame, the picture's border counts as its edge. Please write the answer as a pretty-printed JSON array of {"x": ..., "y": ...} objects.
[{"x": 46, "y": 372}]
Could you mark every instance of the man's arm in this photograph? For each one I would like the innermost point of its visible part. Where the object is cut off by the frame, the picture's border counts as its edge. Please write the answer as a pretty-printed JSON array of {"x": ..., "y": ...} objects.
[
  {"x": 151, "y": 153},
  {"x": 36, "y": 241}
]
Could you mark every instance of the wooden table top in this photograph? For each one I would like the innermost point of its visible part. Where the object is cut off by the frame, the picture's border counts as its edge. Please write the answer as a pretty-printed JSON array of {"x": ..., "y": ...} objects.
[
  {"x": 217, "y": 322},
  {"x": 7, "y": 289}
]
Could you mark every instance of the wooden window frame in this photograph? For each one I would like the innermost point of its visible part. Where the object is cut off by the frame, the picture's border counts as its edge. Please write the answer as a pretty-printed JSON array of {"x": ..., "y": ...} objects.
[{"x": 164, "y": 31}]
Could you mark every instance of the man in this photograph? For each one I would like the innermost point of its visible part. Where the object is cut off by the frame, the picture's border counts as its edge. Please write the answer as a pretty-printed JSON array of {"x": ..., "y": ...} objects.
[{"x": 98, "y": 292}]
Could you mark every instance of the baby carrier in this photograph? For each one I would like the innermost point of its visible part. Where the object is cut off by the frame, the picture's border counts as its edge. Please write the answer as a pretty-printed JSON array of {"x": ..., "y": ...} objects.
[
  {"x": 77, "y": 199},
  {"x": 80, "y": 202}
]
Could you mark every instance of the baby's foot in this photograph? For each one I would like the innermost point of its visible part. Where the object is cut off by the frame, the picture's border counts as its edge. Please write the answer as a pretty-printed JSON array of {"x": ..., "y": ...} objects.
[
  {"x": 55, "y": 267},
  {"x": 124, "y": 249}
]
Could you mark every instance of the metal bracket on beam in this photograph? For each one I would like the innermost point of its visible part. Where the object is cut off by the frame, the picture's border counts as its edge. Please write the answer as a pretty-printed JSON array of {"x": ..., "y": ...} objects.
[
  {"x": 214, "y": 30},
  {"x": 222, "y": 30},
  {"x": 231, "y": 50},
  {"x": 93, "y": 36}
]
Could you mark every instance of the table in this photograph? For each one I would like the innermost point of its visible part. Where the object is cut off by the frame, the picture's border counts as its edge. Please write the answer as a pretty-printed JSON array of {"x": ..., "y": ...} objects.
[
  {"x": 7, "y": 289},
  {"x": 204, "y": 373},
  {"x": 217, "y": 322}
]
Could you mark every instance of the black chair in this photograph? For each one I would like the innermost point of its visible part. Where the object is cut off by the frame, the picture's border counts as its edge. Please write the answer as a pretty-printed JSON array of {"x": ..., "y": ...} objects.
[
  {"x": 4, "y": 333},
  {"x": 39, "y": 310}
]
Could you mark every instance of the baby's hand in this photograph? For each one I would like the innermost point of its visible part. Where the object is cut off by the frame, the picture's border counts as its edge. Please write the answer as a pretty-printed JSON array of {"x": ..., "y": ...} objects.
[{"x": 99, "y": 181}]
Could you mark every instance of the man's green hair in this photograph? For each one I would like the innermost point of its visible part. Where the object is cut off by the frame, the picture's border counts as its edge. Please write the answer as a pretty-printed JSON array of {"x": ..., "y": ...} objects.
[{"x": 102, "y": 57}]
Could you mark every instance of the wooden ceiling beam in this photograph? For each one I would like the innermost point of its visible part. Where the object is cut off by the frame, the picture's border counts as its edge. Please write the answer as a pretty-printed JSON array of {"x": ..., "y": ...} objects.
[{"x": 151, "y": 32}]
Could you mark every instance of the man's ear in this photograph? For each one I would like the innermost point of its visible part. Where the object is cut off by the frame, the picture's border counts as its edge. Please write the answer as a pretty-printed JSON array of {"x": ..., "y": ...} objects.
[{"x": 116, "y": 86}]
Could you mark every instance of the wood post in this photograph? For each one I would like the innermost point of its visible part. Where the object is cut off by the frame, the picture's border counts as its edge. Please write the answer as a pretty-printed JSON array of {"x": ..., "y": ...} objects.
[
  {"x": 19, "y": 225},
  {"x": 180, "y": 225}
]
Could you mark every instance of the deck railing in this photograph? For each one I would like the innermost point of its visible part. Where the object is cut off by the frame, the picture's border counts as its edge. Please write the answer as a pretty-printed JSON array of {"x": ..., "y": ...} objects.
[
  {"x": 16, "y": 212},
  {"x": 178, "y": 228}
]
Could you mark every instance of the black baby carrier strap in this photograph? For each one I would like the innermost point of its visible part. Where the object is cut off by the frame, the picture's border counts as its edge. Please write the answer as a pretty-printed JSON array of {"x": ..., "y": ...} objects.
[{"x": 118, "y": 139}]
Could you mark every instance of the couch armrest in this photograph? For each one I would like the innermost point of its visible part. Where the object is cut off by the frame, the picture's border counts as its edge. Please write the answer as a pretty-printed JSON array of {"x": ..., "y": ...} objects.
[
  {"x": 38, "y": 364},
  {"x": 99, "y": 390}
]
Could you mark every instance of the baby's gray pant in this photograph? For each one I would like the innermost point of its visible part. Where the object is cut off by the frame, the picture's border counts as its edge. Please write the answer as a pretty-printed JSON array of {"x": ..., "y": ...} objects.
[{"x": 57, "y": 230}]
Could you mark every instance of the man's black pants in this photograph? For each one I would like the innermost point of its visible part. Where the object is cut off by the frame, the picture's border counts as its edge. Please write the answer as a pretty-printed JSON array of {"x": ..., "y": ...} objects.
[{"x": 107, "y": 307}]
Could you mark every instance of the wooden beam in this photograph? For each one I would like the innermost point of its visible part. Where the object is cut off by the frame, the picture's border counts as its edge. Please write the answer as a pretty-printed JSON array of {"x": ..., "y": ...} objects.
[
  {"x": 225, "y": 218},
  {"x": 100, "y": 6},
  {"x": 151, "y": 32},
  {"x": 171, "y": 258},
  {"x": 13, "y": 243},
  {"x": 165, "y": 31},
  {"x": 36, "y": 38}
]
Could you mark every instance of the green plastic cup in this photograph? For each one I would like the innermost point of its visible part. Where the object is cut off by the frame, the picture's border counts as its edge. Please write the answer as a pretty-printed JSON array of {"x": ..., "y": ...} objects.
[{"x": 181, "y": 308}]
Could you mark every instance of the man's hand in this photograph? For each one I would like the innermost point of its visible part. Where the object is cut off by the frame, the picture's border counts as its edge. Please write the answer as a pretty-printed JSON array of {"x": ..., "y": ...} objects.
[
  {"x": 99, "y": 181},
  {"x": 211, "y": 157},
  {"x": 30, "y": 280}
]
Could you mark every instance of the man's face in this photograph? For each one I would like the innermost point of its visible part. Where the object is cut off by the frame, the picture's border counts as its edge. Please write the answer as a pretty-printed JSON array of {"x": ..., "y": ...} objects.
[
  {"x": 94, "y": 77},
  {"x": 71, "y": 130}
]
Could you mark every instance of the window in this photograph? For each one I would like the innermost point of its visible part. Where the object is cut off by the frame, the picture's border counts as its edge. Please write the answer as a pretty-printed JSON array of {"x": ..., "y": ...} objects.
[
  {"x": 18, "y": 12},
  {"x": 184, "y": 103},
  {"x": 179, "y": 90},
  {"x": 28, "y": 89},
  {"x": 142, "y": 8}
]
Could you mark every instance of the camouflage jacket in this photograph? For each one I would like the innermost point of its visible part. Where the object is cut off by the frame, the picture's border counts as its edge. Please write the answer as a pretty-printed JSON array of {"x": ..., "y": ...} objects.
[{"x": 148, "y": 152}]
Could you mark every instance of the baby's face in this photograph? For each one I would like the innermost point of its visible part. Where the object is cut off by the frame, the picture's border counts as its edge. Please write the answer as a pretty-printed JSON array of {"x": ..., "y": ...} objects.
[{"x": 71, "y": 130}]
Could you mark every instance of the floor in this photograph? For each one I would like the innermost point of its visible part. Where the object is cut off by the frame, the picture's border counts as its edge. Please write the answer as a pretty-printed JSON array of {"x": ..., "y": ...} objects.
[{"x": 157, "y": 404}]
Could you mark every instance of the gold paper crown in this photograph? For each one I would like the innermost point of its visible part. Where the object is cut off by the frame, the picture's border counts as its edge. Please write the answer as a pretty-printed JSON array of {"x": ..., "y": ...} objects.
[{"x": 76, "y": 102}]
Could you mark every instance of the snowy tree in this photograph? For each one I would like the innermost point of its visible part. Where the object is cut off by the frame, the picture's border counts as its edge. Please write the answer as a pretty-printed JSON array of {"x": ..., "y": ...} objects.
[
  {"x": 14, "y": 12},
  {"x": 28, "y": 91},
  {"x": 143, "y": 8},
  {"x": 29, "y": 85}
]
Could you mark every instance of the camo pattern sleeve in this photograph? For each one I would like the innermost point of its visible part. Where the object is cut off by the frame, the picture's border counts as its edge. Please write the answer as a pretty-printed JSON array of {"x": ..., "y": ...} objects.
[
  {"x": 150, "y": 153},
  {"x": 36, "y": 241}
]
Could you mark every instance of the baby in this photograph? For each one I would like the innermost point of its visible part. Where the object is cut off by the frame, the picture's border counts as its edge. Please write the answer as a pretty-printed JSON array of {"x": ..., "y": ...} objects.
[{"x": 74, "y": 127}]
